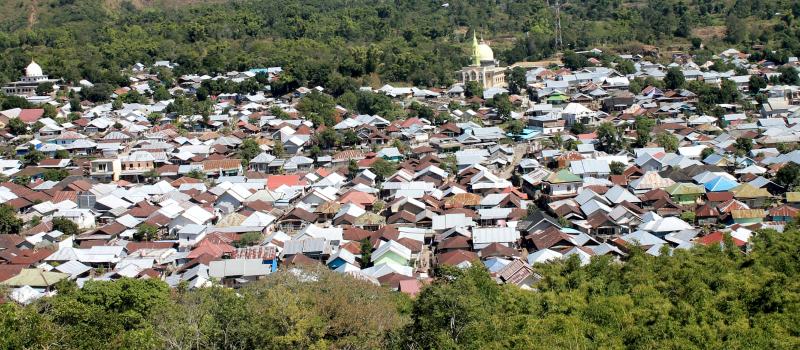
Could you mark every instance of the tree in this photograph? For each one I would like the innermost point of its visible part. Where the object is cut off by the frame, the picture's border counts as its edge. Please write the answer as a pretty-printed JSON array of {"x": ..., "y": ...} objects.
[
  {"x": 151, "y": 175},
  {"x": 557, "y": 141},
  {"x": 55, "y": 174},
  {"x": 643, "y": 137},
  {"x": 563, "y": 221},
  {"x": 351, "y": 137},
  {"x": 17, "y": 127},
  {"x": 706, "y": 152},
  {"x": 756, "y": 83},
  {"x": 44, "y": 89},
  {"x": 617, "y": 168},
  {"x": 278, "y": 150},
  {"x": 788, "y": 176},
  {"x": 315, "y": 152},
  {"x": 196, "y": 174},
  {"x": 578, "y": 128},
  {"x": 50, "y": 111},
  {"x": 383, "y": 168},
  {"x": 743, "y": 145},
  {"x": 33, "y": 156},
  {"x": 788, "y": 75},
  {"x": 674, "y": 78},
  {"x": 473, "y": 89},
  {"x": 607, "y": 135},
  {"x": 352, "y": 168},
  {"x": 503, "y": 106},
  {"x": 366, "y": 253},
  {"x": 250, "y": 238},
  {"x": 9, "y": 223},
  {"x": 117, "y": 104},
  {"x": 248, "y": 150},
  {"x": 625, "y": 67},
  {"x": 514, "y": 127},
  {"x": 22, "y": 180},
  {"x": 450, "y": 164},
  {"x": 517, "y": 82},
  {"x": 66, "y": 226},
  {"x": 145, "y": 232},
  {"x": 161, "y": 93},
  {"x": 574, "y": 61},
  {"x": 688, "y": 217},
  {"x": 668, "y": 141},
  {"x": 318, "y": 107}
]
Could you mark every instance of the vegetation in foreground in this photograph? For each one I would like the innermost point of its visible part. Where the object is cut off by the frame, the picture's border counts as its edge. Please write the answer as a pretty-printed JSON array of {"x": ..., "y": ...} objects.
[{"x": 709, "y": 298}]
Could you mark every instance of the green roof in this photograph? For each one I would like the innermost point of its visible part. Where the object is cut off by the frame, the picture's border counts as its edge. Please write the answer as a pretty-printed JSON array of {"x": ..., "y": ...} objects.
[
  {"x": 558, "y": 97},
  {"x": 684, "y": 188},
  {"x": 35, "y": 278},
  {"x": 562, "y": 176}
]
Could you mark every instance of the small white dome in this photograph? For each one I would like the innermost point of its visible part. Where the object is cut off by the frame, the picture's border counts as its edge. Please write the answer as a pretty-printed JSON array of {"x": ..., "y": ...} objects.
[
  {"x": 485, "y": 53},
  {"x": 33, "y": 70}
]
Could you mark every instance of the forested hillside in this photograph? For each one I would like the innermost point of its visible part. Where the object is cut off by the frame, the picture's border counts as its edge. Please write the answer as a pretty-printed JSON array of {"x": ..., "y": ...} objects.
[
  {"x": 712, "y": 297},
  {"x": 421, "y": 42}
]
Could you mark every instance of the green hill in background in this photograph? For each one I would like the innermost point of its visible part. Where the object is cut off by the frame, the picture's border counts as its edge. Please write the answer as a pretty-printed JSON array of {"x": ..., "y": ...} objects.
[{"x": 344, "y": 43}]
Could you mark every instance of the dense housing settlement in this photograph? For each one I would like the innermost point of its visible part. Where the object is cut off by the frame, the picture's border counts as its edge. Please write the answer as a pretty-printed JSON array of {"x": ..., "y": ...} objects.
[{"x": 508, "y": 167}]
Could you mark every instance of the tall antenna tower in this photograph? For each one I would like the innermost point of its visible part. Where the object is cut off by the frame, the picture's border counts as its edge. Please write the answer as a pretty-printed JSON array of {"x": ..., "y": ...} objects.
[{"x": 559, "y": 41}]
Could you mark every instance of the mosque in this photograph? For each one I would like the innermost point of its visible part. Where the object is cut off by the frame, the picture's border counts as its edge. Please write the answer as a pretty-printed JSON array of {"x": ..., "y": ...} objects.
[
  {"x": 27, "y": 84},
  {"x": 484, "y": 67}
]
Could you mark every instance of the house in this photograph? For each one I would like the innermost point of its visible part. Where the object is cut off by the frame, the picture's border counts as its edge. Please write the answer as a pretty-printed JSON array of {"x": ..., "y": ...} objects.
[
  {"x": 391, "y": 252},
  {"x": 235, "y": 273}
]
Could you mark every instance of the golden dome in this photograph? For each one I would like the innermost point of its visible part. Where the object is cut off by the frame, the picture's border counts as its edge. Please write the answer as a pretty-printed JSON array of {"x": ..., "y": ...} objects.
[{"x": 485, "y": 53}]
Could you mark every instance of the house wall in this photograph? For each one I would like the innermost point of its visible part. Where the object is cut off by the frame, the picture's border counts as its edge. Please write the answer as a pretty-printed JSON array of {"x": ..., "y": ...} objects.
[
  {"x": 391, "y": 257},
  {"x": 748, "y": 221},
  {"x": 563, "y": 189}
]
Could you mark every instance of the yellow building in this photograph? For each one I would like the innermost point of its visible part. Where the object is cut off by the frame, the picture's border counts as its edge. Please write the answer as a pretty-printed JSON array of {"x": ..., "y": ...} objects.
[{"x": 484, "y": 67}]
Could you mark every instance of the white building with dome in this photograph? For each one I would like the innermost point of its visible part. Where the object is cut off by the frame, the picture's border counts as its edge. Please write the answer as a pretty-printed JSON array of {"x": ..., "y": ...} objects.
[
  {"x": 28, "y": 83},
  {"x": 484, "y": 67}
]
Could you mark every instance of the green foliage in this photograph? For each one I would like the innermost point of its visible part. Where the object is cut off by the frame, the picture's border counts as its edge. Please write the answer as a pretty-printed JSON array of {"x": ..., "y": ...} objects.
[
  {"x": 617, "y": 168},
  {"x": 563, "y": 221},
  {"x": 352, "y": 168},
  {"x": 319, "y": 108},
  {"x": 514, "y": 127},
  {"x": 609, "y": 137},
  {"x": 574, "y": 61},
  {"x": 756, "y": 83},
  {"x": 151, "y": 174},
  {"x": 473, "y": 89},
  {"x": 788, "y": 176},
  {"x": 383, "y": 168},
  {"x": 743, "y": 145},
  {"x": 196, "y": 174},
  {"x": 578, "y": 128},
  {"x": 278, "y": 150},
  {"x": 248, "y": 150},
  {"x": 688, "y": 217},
  {"x": 33, "y": 156},
  {"x": 706, "y": 152},
  {"x": 22, "y": 180},
  {"x": 17, "y": 127},
  {"x": 674, "y": 79},
  {"x": 517, "y": 83},
  {"x": 55, "y": 174},
  {"x": 502, "y": 105},
  {"x": 9, "y": 223},
  {"x": 450, "y": 164},
  {"x": 67, "y": 226},
  {"x": 668, "y": 141},
  {"x": 250, "y": 238},
  {"x": 146, "y": 232},
  {"x": 366, "y": 253}
]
